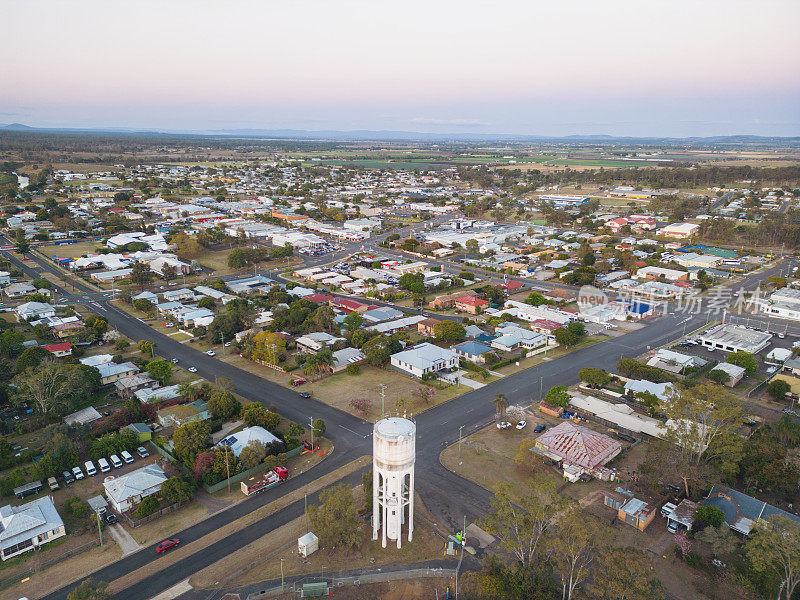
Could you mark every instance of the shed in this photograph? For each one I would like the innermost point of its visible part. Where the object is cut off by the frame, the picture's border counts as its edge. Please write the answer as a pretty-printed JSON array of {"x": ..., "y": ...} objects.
[
  {"x": 307, "y": 544},
  {"x": 97, "y": 503}
]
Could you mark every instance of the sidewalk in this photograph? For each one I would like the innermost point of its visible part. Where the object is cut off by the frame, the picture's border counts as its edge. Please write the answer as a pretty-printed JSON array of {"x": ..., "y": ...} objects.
[{"x": 124, "y": 539}]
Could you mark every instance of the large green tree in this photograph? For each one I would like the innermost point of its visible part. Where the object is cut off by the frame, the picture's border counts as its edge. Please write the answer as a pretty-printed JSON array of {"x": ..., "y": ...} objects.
[
  {"x": 335, "y": 520},
  {"x": 774, "y": 547}
]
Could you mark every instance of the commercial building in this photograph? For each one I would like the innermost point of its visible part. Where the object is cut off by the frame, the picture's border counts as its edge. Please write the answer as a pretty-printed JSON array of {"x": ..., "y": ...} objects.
[
  {"x": 783, "y": 303},
  {"x": 732, "y": 338},
  {"x": 679, "y": 230}
]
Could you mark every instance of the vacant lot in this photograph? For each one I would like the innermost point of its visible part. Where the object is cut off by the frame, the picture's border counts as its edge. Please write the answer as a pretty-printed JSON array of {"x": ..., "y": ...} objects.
[{"x": 71, "y": 250}]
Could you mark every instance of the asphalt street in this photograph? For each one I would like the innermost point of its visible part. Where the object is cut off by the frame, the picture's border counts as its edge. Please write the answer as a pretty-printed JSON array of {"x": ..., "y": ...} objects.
[{"x": 449, "y": 497}]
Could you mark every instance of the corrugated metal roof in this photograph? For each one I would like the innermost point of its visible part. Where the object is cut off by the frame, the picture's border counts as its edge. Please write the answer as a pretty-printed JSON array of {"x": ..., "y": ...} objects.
[{"x": 579, "y": 445}]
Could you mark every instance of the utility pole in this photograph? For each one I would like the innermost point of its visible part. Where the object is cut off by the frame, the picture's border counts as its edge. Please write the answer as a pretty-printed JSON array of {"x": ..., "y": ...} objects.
[
  {"x": 383, "y": 400},
  {"x": 99, "y": 530},
  {"x": 459, "y": 441},
  {"x": 281, "y": 574},
  {"x": 311, "y": 425},
  {"x": 461, "y": 556},
  {"x": 228, "y": 468}
]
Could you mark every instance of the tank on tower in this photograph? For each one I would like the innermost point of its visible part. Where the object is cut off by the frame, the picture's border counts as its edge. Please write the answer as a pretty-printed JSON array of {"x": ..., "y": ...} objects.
[{"x": 393, "y": 455}]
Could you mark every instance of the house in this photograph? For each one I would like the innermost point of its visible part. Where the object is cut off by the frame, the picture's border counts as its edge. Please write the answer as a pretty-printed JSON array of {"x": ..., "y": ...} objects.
[
  {"x": 181, "y": 414},
  {"x": 674, "y": 362},
  {"x": 34, "y": 310},
  {"x": 679, "y": 230},
  {"x": 636, "y": 513},
  {"x": 152, "y": 395},
  {"x": 111, "y": 371},
  {"x": 661, "y": 273},
  {"x": 424, "y": 359},
  {"x": 142, "y": 431},
  {"x": 125, "y": 491},
  {"x": 742, "y": 511},
  {"x": 346, "y": 356},
  {"x": 239, "y": 440},
  {"x": 316, "y": 341},
  {"x": 348, "y": 305},
  {"x": 682, "y": 516},
  {"x": 67, "y": 327},
  {"x": 470, "y": 304},
  {"x": 21, "y": 288},
  {"x": 59, "y": 350},
  {"x": 579, "y": 450},
  {"x": 83, "y": 416},
  {"x": 150, "y": 296},
  {"x": 29, "y": 526},
  {"x": 472, "y": 351},
  {"x": 662, "y": 391},
  {"x": 128, "y": 385},
  {"x": 178, "y": 295},
  {"x": 735, "y": 373},
  {"x": 426, "y": 326},
  {"x": 381, "y": 313},
  {"x": 448, "y": 300}
]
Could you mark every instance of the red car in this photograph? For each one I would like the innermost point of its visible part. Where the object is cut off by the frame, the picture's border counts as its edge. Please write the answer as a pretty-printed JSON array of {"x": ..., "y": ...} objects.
[
  {"x": 299, "y": 381},
  {"x": 167, "y": 544}
]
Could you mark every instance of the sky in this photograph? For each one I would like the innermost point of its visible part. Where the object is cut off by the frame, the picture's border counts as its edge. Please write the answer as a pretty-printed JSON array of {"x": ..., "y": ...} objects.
[{"x": 672, "y": 68}]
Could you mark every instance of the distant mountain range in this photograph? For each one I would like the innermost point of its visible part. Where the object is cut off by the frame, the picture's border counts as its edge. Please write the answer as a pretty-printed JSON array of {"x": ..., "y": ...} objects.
[{"x": 386, "y": 135}]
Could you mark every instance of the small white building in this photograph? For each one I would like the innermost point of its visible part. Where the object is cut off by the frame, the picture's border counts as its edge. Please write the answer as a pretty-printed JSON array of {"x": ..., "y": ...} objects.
[
  {"x": 307, "y": 544},
  {"x": 129, "y": 489},
  {"x": 423, "y": 359}
]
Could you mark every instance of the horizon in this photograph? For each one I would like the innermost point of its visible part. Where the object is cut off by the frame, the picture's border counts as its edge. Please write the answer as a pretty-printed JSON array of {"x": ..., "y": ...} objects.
[{"x": 663, "y": 70}]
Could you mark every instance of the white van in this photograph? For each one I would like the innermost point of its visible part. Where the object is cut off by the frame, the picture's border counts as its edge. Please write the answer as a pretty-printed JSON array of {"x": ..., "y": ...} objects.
[
  {"x": 115, "y": 461},
  {"x": 103, "y": 464},
  {"x": 77, "y": 472},
  {"x": 90, "y": 470},
  {"x": 126, "y": 456}
]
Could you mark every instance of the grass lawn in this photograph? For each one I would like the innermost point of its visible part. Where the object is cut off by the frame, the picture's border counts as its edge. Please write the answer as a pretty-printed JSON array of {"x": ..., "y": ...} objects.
[
  {"x": 338, "y": 390},
  {"x": 525, "y": 363},
  {"x": 217, "y": 261},
  {"x": 71, "y": 250}
]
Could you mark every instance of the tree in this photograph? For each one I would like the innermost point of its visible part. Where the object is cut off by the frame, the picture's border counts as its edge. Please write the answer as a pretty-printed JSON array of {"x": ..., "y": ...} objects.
[
  {"x": 778, "y": 388},
  {"x": 160, "y": 370},
  {"x": 141, "y": 274},
  {"x": 536, "y": 299},
  {"x": 146, "y": 347},
  {"x": 745, "y": 360},
  {"x": 573, "y": 548},
  {"x": 169, "y": 272},
  {"x": 51, "y": 386},
  {"x": 471, "y": 245},
  {"x": 521, "y": 526},
  {"x": 623, "y": 574},
  {"x": 718, "y": 376},
  {"x": 774, "y": 546},
  {"x": 267, "y": 347},
  {"x": 253, "y": 454},
  {"x": 335, "y": 519},
  {"x": 207, "y": 302},
  {"x": 500, "y": 404},
  {"x": 594, "y": 377},
  {"x": 144, "y": 305},
  {"x": 146, "y": 507},
  {"x": 558, "y": 395},
  {"x": 256, "y": 415},
  {"x": 565, "y": 337},
  {"x": 223, "y": 405},
  {"x": 703, "y": 423},
  {"x": 721, "y": 541},
  {"x": 191, "y": 439},
  {"x": 708, "y": 515},
  {"x": 319, "y": 427},
  {"x": 175, "y": 490},
  {"x": 448, "y": 331},
  {"x": 89, "y": 589},
  {"x": 353, "y": 321}
]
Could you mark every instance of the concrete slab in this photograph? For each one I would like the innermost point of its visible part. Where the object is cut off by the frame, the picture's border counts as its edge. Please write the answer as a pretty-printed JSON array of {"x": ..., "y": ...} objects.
[{"x": 124, "y": 539}]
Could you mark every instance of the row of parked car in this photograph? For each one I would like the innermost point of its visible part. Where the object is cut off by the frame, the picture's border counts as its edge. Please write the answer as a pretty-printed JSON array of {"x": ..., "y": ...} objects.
[{"x": 104, "y": 465}]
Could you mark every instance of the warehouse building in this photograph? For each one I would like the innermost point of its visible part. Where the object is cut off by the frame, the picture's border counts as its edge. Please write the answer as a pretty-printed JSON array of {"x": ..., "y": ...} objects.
[{"x": 732, "y": 338}]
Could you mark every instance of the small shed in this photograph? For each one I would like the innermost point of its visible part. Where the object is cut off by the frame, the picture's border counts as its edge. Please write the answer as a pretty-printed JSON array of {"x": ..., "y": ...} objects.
[
  {"x": 307, "y": 544},
  {"x": 98, "y": 504}
]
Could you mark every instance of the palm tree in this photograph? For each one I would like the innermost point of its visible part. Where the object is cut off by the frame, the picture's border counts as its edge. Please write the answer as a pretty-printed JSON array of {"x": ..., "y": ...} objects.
[{"x": 500, "y": 404}]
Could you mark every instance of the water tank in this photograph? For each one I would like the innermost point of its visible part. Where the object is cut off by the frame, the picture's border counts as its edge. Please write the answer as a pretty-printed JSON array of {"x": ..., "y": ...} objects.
[
  {"x": 394, "y": 444},
  {"x": 393, "y": 455}
]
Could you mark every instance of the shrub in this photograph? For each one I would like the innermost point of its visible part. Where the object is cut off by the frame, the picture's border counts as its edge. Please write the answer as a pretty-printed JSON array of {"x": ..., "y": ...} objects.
[
  {"x": 352, "y": 369},
  {"x": 146, "y": 507}
]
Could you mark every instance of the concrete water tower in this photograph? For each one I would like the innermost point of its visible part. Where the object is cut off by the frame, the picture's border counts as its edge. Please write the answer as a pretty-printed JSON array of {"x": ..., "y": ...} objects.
[{"x": 393, "y": 455}]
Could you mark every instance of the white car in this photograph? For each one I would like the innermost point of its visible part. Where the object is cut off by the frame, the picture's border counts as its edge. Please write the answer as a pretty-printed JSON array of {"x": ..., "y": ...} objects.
[
  {"x": 192, "y": 369},
  {"x": 211, "y": 353},
  {"x": 175, "y": 360},
  {"x": 522, "y": 424},
  {"x": 503, "y": 425}
]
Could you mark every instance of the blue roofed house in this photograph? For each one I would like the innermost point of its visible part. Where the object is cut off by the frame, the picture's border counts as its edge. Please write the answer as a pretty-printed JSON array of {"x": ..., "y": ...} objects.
[
  {"x": 742, "y": 511},
  {"x": 472, "y": 351}
]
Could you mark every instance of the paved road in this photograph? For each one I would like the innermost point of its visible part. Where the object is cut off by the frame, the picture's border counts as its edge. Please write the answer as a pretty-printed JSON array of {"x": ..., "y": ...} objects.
[{"x": 448, "y": 496}]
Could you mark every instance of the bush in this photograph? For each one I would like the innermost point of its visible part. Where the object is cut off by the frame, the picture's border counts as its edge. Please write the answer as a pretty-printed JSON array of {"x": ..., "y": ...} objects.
[
  {"x": 296, "y": 430},
  {"x": 146, "y": 507},
  {"x": 778, "y": 388},
  {"x": 352, "y": 369}
]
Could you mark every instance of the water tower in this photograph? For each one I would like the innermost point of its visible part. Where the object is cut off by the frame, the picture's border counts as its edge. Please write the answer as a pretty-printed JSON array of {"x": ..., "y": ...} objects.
[{"x": 393, "y": 455}]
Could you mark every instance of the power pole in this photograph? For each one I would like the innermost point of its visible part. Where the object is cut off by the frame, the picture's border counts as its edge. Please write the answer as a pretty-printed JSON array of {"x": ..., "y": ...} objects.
[
  {"x": 311, "y": 426},
  {"x": 459, "y": 441},
  {"x": 383, "y": 400},
  {"x": 228, "y": 469},
  {"x": 99, "y": 530}
]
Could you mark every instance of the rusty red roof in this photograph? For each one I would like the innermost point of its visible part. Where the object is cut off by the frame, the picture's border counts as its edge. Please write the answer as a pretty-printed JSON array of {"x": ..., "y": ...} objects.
[{"x": 579, "y": 445}]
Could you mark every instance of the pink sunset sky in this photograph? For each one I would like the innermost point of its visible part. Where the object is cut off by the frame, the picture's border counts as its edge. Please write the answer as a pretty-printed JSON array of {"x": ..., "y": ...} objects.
[{"x": 620, "y": 67}]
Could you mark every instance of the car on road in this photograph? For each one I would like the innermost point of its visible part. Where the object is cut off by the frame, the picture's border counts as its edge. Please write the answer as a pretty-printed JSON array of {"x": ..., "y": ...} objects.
[
  {"x": 167, "y": 544},
  {"x": 503, "y": 425},
  {"x": 522, "y": 424},
  {"x": 211, "y": 353},
  {"x": 142, "y": 451},
  {"x": 539, "y": 428},
  {"x": 175, "y": 361},
  {"x": 305, "y": 395},
  {"x": 781, "y": 335},
  {"x": 192, "y": 369}
]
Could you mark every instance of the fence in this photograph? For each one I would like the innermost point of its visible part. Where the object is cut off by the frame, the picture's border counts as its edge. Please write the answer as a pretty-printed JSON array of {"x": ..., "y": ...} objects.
[
  {"x": 239, "y": 476},
  {"x": 376, "y": 576},
  {"x": 44, "y": 563},
  {"x": 159, "y": 513}
]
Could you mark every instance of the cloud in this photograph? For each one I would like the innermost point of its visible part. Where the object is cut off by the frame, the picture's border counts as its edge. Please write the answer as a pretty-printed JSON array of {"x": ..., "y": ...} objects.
[{"x": 448, "y": 122}]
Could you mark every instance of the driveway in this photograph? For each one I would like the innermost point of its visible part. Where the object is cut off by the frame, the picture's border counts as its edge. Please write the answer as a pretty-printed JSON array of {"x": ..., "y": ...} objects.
[
  {"x": 216, "y": 437},
  {"x": 123, "y": 539}
]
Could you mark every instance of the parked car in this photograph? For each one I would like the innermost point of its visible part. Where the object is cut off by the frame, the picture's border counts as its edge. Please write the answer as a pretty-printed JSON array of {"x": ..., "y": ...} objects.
[
  {"x": 76, "y": 471},
  {"x": 522, "y": 424},
  {"x": 299, "y": 381},
  {"x": 167, "y": 544},
  {"x": 175, "y": 361},
  {"x": 305, "y": 395},
  {"x": 111, "y": 518},
  {"x": 126, "y": 456},
  {"x": 68, "y": 477},
  {"x": 103, "y": 464},
  {"x": 192, "y": 369},
  {"x": 115, "y": 461},
  {"x": 52, "y": 482},
  {"x": 90, "y": 469},
  {"x": 539, "y": 428},
  {"x": 142, "y": 451},
  {"x": 503, "y": 425},
  {"x": 210, "y": 352}
]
